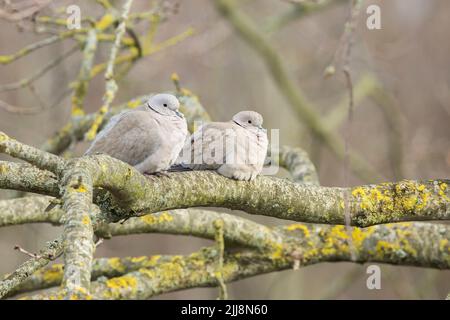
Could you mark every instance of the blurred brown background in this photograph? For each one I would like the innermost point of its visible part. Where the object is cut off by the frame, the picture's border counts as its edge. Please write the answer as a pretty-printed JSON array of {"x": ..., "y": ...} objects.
[{"x": 410, "y": 55}]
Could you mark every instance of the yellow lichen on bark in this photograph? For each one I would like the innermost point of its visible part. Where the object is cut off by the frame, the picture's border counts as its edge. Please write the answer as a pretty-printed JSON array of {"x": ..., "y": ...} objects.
[
  {"x": 298, "y": 226},
  {"x": 116, "y": 264},
  {"x": 120, "y": 285},
  {"x": 105, "y": 22},
  {"x": 53, "y": 274},
  {"x": 152, "y": 219}
]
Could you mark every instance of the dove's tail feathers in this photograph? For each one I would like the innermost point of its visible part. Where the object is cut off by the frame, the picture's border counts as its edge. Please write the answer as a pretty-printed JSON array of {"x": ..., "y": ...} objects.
[{"x": 178, "y": 168}]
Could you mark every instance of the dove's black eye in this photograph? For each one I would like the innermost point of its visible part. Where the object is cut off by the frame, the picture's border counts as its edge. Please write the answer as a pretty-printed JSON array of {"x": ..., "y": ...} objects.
[
  {"x": 165, "y": 104},
  {"x": 249, "y": 121}
]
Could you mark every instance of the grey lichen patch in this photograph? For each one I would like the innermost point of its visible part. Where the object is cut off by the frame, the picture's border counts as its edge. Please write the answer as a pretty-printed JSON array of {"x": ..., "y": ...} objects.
[
  {"x": 32, "y": 209},
  {"x": 40, "y": 159},
  {"x": 24, "y": 177}
]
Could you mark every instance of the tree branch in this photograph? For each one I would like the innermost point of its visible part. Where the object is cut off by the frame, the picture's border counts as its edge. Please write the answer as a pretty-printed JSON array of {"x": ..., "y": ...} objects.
[
  {"x": 195, "y": 222},
  {"x": 24, "y": 177},
  {"x": 369, "y": 205},
  {"x": 417, "y": 244},
  {"x": 111, "y": 85},
  {"x": 29, "y": 210},
  {"x": 40, "y": 159},
  {"x": 78, "y": 230},
  {"x": 52, "y": 250},
  {"x": 297, "y": 162}
]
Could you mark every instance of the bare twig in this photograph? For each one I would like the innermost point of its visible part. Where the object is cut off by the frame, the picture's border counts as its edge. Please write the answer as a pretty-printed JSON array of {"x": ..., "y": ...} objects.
[
  {"x": 23, "y": 9},
  {"x": 247, "y": 30},
  {"x": 111, "y": 86},
  {"x": 52, "y": 250},
  {"x": 6, "y": 59},
  {"x": 28, "y": 253},
  {"x": 39, "y": 73},
  {"x": 84, "y": 74},
  {"x": 219, "y": 225}
]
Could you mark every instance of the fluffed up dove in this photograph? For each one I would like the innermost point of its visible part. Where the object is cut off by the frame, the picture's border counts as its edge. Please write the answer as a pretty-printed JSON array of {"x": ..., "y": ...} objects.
[
  {"x": 235, "y": 149},
  {"x": 149, "y": 137}
]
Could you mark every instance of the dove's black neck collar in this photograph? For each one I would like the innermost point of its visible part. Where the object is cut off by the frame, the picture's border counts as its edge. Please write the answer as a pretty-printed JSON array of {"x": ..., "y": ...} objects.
[
  {"x": 248, "y": 128},
  {"x": 239, "y": 124},
  {"x": 154, "y": 109},
  {"x": 171, "y": 114}
]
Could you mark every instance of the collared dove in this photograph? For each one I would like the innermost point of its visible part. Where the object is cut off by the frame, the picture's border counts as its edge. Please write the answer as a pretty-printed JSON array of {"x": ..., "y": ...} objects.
[
  {"x": 235, "y": 149},
  {"x": 149, "y": 137}
]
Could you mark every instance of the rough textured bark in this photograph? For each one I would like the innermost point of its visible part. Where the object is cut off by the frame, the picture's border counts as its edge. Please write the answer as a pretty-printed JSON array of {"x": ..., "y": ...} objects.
[
  {"x": 134, "y": 193},
  {"x": 50, "y": 251},
  {"x": 78, "y": 231},
  {"x": 419, "y": 244}
]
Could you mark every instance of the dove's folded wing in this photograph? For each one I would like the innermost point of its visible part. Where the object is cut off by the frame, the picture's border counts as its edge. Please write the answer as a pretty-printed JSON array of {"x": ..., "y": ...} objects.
[{"x": 119, "y": 137}]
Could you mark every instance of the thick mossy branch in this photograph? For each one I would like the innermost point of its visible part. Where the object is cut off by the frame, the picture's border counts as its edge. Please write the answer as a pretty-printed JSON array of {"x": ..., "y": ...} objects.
[
  {"x": 185, "y": 222},
  {"x": 134, "y": 194},
  {"x": 24, "y": 177},
  {"x": 29, "y": 210},
  {"x": 39, "y": 158},
  {"x": 373, "y": 204},
  {"x": 194, "y": 222},
  {"x": 198, "y": 223},
  {"x": 103, "y": 267},
  {"x": 78, "y": 230},
  {"x": 417, "y": 244}
]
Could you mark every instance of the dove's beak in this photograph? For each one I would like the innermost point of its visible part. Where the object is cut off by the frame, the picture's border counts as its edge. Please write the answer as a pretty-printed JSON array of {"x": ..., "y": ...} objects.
[{"x": 178, "y": 113}]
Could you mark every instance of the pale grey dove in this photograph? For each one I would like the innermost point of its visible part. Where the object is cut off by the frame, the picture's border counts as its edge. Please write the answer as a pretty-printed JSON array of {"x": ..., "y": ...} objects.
[
  {"x": 149, "y": 137},
  {"x": 235, "y": 149}
]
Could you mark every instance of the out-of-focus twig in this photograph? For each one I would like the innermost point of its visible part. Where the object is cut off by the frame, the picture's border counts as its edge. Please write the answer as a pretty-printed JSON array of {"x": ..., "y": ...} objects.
[
  {"x": 23, "y": 9},
  {"x": 20, "y": 110},
  {"x": 393, "y": 119},
  {"x": 39, "y": 73},
  {"x": 296, "y": 11},
  {"x": 84, "y": 74},
  {"x": 111, "y": 85},
  {"x": 219, "y": 225},
  {"x": 104, "y": 3},
  {"x": 363, "y": 88},
  {"x": 5, "y": 59}
]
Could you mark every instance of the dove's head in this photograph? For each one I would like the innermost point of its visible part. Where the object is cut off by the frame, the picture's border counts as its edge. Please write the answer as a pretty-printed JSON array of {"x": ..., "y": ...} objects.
[
  {"x": 165, "y": 104},
  {"x": 249, "y": 120}
]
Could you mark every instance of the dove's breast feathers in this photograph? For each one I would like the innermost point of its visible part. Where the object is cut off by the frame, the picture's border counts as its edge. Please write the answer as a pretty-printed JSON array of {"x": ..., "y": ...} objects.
[{"x": 243, "y": 160}]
